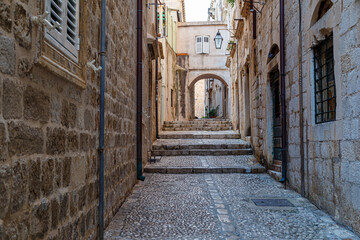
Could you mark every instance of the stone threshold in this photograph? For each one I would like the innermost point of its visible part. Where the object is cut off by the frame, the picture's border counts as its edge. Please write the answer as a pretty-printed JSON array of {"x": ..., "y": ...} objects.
[{"x": 189, "y": 170}]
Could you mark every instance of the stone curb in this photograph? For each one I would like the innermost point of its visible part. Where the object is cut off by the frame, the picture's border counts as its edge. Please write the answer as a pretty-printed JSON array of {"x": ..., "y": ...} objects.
[{"x": 194, "y": 170}]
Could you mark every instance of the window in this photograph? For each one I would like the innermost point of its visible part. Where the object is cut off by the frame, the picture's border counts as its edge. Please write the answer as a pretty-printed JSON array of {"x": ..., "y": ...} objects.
[
  {"x": 62, "y": 50},
  {"x": 325, "y": 96},
  {"x": 65, "y": 37},
  {"x": 202, "y": 44}
]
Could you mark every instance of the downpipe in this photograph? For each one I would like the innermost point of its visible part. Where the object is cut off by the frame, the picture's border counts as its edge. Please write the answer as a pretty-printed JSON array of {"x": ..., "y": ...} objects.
[
  {"x": 139, "y": 50},
  {"x": 301, "y": 120},
  {"x": 101, "y": 127},
  {"x": 283, "y": 89},
  {"x": 156, "y": 74}
]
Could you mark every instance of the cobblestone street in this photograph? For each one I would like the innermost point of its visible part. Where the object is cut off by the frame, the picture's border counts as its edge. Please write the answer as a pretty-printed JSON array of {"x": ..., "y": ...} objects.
[{"x": 218, "y": 206}]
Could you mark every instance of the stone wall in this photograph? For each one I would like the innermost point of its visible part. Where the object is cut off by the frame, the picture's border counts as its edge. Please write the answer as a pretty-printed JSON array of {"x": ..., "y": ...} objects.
[
  {"x": 49, "y": 125},
  {"x": 200, "y": 99},
  {"x": 331, "y": 149}
]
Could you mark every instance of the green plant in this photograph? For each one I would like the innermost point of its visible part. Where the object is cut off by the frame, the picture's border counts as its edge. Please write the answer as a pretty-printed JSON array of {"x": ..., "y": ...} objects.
[{"x": 232, "y": 2}]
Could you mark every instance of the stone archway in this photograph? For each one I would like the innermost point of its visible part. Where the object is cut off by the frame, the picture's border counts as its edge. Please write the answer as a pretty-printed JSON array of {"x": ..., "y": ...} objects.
[{"x": 191, "y": 95}]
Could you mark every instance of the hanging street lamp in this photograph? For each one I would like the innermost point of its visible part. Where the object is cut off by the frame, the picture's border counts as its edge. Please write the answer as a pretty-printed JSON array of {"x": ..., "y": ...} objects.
[{"x": 218, "y": 40}]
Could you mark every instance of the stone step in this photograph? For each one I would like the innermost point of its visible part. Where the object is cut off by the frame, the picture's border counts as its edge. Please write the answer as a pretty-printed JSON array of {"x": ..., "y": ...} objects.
[
  {"x": 195, "y": 125},
  {"x": 200, "y": 146},
  {"x": 277, "y": 162},
  {"x": 198, "y": 136},
  {"x": 196, "y": 128},
  {"x": 274, "y": 174},
  {"x": 199, "y": 122},
  {"x": 188, "y": 170},
  {"x": 202, "y": 152},
  {"x": 275, "y": 167}
]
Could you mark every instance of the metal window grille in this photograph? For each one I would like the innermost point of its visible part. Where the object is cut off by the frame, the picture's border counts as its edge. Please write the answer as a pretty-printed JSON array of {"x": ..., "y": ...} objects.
[{"x": 325, "y": 95}]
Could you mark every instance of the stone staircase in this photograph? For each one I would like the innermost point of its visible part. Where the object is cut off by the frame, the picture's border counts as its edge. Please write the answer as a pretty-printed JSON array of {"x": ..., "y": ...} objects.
[
  {"x": 198, "y": 125},
  {"x": 206, "y": 146},
  {"x": 201, "y": 147}
]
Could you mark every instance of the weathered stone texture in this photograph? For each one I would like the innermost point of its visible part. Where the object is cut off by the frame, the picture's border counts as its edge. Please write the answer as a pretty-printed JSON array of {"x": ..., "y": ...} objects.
[
  {"x": 49, "y": 126},
  {"x": 24, "y": 140},
  {"x": 331, "y": 149},
  {"x": 7, "y": 55},
  {"x": 19, "y": 185},
  {"x": 22, "y": 28},
  {"x": 36, "y": 105},
  {"x": 5, "y": 20},
  {"x": 55, "y": 141},
  {"x": 12, "y": 100}
]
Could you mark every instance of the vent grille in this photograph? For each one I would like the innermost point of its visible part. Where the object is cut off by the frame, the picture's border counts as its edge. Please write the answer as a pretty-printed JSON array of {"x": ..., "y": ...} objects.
[
  {"x": 71, "y": 22},
  {"x": 56, "y": 13}
]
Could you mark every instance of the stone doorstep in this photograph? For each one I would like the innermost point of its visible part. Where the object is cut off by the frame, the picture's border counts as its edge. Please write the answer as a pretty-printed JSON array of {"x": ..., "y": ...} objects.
[
  {"x": 200, "y": 146},
  {"x": 199, "y": 136},
  {"x": 194, "y": 170},
  {"x": 202, "y": 152},
  {"x": 197, "y": 122},
  {"x": 197, "y": 128},
  {"x": 274, "y": 174}
]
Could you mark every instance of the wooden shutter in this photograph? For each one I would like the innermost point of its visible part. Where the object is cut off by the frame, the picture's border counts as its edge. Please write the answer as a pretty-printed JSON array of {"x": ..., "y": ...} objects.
[
  {"x": 199, "y": 44},
  {"x": 206, "y": 44},
  {"x": 65, "y": 37}
]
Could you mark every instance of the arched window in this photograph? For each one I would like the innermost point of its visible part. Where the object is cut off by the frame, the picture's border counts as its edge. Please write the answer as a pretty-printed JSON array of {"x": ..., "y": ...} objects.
[
  {"x": 320, "y": 10},
  {"x": 273, "y": 52}
]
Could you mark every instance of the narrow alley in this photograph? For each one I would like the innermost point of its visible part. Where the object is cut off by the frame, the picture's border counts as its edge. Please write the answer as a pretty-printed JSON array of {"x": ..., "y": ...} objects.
[
  {"x": 208, "y": 185},
  {"x": 179, "y": 119}
]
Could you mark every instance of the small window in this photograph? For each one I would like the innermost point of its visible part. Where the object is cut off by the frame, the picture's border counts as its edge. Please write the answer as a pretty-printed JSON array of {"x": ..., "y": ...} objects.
[
  {"x": 65, "y": 37},
  {"x": 202, "y": 44},
  {"x": 325, "y": 91},
  {"x": 206, "y": 44},
  {"x": 199, "y": 45}
]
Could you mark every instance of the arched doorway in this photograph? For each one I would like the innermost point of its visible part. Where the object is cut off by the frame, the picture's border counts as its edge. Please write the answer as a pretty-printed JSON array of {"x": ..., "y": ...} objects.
[{"x": 215, "y": 99}]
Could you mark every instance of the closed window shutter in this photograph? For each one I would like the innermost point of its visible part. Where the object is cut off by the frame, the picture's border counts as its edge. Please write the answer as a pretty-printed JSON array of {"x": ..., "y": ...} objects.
[
  {"x": 71, "y": 22},
  {"x": 199, "y": 44},
  {"x": 65, "y": 37},
  {"x": 206, "y": 44}
]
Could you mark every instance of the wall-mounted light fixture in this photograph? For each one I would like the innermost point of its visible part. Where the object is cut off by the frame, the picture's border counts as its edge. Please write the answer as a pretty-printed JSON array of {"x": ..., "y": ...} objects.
[{"x": 218, "y": 40}]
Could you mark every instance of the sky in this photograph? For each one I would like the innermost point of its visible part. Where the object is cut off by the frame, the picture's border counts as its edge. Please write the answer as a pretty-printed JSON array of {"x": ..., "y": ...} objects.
[{"x": 196, "y": 10}]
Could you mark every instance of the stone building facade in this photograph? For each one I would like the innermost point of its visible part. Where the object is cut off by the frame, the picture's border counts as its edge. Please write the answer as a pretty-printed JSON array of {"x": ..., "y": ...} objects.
[
  {"x": 49, "y": 118},
  {"x": 322, "y": 91}
]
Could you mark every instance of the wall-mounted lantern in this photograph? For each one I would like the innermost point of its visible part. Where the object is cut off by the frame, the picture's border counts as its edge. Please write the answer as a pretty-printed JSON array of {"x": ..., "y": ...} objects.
[{"x": 218, "y": 40}]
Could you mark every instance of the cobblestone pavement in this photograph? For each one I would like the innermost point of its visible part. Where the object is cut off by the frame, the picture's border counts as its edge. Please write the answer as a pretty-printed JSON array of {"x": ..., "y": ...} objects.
[
  {"x": 245, "y": 161},
  {"x": 218, "y": 206}
]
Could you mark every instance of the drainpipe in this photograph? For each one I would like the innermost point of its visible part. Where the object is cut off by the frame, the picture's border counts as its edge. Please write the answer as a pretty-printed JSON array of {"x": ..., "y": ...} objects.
[
  {"x": 156, "y": 73},
  {"x": 283, "y": 98},
  {"x": 139, "y": 91},
  {"x": 238, "y": 81},
  {"x": 101, "y": 127},
  {"x": 177, "y": 96},
  {"x": 302, "y": 153}
]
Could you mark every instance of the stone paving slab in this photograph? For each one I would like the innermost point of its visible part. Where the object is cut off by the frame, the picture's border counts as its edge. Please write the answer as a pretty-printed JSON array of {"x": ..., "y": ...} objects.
[
  {"x": 200, "y": 143},
  {"x": 228, "y": 134},
  {"x": 205, "y": 164},
  {"x": 213, "y": 206}
]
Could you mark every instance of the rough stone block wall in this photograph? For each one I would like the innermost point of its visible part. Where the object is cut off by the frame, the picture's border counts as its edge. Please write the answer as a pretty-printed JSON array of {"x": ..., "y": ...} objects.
[
  {"x": 49, "y": 127},
  {"x": 331, "y": 149}
]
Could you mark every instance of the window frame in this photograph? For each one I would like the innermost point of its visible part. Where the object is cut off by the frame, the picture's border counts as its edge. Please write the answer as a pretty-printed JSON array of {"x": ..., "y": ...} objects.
[
  {"x": 56, "y": 60},
  {"x": 323, "y": 57},
  {"x": 205, "y": 48},
  {"x": 59, "y": 39}
]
